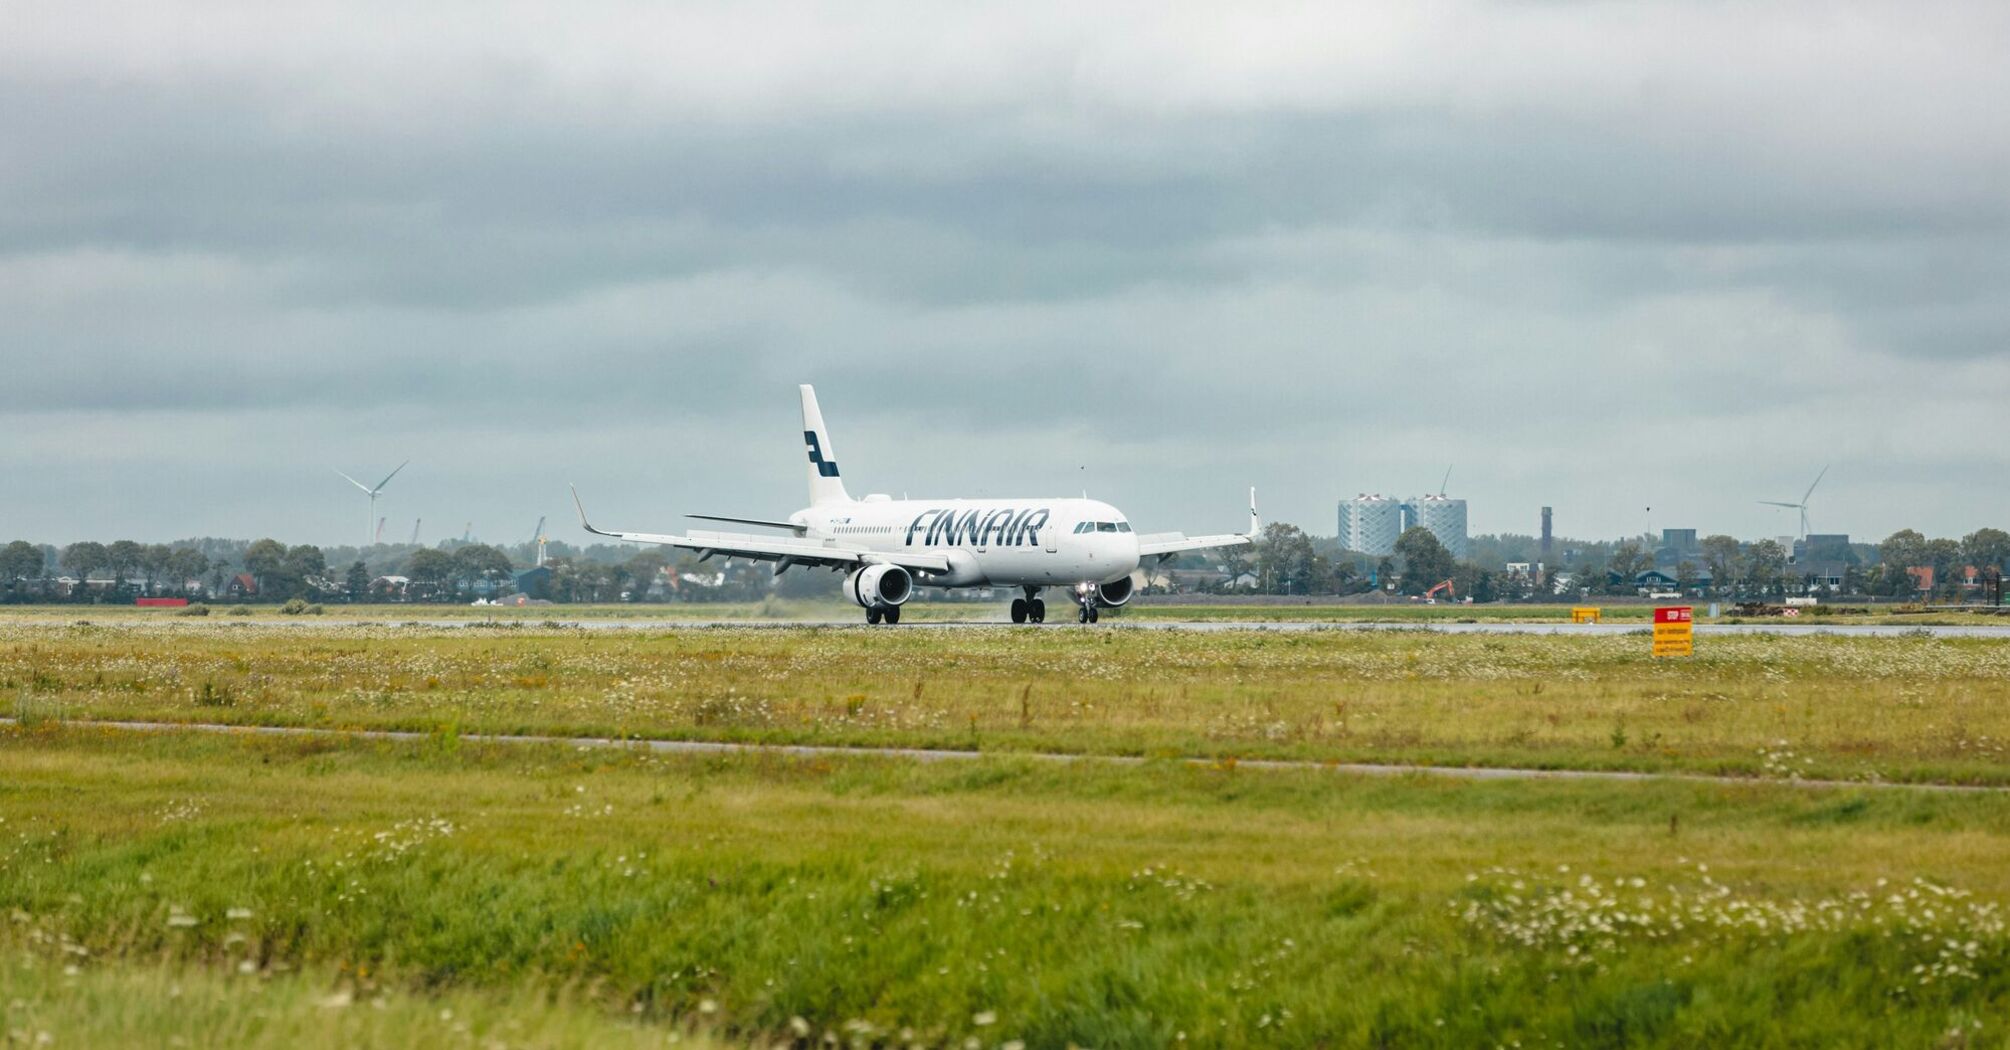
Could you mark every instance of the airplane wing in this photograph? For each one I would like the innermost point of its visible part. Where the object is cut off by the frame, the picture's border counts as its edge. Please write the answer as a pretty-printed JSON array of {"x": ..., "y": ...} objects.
[
  {"x": 1163, "y": 545},
  {"x": 783, "y": 551}
]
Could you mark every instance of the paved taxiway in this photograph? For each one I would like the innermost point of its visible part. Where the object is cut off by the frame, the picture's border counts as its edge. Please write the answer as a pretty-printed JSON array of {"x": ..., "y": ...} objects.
[{"x": 712, "y": 747}]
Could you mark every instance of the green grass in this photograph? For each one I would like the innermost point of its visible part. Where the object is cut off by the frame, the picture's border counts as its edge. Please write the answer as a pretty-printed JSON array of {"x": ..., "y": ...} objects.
[
  {"x": 591, "y": 896},
  {"x": 1852, "y": 708},
  {"x": 143, "y": 1003}
]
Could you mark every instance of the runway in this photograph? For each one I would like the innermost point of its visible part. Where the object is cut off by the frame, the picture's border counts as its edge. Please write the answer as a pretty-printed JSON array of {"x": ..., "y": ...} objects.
[
  {"x": 711, "y": 747},
  {"x": 1999, "y": 630}
]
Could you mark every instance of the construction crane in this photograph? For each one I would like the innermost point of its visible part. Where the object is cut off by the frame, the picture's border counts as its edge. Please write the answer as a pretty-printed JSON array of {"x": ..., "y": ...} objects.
[{"x": 537, "y": 539}]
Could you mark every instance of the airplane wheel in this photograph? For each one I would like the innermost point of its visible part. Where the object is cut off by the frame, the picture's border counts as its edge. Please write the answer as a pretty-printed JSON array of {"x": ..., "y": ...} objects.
[
  {"x": 1019, "y": 610},
  {"x": 872, "y": 616},
  {"x": 1094, "y": 615},
  {"x": 892, "y": 614},
  {"x": 1085, "y": 614},
  {"x": 1036, "y": 611}
]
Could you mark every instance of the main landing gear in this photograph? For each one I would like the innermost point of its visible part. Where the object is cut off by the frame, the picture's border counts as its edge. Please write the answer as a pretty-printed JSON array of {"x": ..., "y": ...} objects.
[
  {"x": 888, "y": 615},
  {"x": 1029, "y": 609}
]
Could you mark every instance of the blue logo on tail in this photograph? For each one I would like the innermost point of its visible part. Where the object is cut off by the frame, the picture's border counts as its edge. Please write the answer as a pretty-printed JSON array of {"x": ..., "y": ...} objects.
[{"x": 824, "y": 469}]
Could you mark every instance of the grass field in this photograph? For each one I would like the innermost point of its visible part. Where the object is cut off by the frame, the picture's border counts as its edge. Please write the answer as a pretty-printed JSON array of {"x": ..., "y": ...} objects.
[
  {"x": 1850, "y": 708},
  {"x": 238, "y": 891},
  {"x": 184, "y": 889}
]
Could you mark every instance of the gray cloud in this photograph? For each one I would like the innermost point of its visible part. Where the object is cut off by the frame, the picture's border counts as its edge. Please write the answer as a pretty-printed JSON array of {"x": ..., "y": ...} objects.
[{"x": 1603, "y": 257}]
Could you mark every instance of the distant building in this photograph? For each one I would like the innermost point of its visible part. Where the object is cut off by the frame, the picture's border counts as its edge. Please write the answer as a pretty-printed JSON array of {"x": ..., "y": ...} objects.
[
  {"x": 534, "y": 583},
  {"x": 1677, "y": 546},
  {"x": 1370, "y": 524},
  {"x": 1445, "y": 517}
]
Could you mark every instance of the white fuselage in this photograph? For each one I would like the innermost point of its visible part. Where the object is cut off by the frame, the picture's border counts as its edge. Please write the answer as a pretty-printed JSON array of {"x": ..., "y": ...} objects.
[{"x": 1004, "y": 542}]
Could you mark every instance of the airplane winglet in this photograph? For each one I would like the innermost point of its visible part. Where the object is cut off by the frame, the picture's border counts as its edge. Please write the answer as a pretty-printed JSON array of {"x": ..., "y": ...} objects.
[{"x": 583, "y": 523}]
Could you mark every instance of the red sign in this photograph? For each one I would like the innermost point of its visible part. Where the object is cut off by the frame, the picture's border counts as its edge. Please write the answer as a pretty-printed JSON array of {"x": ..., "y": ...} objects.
[
  {"x": 1674, "y": 614},
  {"x": 170, "y": 603}
]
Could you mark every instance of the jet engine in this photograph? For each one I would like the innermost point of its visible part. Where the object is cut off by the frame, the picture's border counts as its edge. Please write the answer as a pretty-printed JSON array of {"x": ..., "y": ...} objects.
[
  {"x": 885, "y": 586},
  {"x": 1115, "y": 593}
]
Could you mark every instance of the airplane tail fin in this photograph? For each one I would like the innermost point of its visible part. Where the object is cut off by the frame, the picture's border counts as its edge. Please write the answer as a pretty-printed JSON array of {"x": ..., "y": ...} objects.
[
  {"x": 1255, "y": 523},
  {"x": 825, "y": 485}
]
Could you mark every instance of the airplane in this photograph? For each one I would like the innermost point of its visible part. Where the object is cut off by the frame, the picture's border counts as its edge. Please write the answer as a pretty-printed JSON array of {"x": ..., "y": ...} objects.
[{"x": 887, "y": 547}]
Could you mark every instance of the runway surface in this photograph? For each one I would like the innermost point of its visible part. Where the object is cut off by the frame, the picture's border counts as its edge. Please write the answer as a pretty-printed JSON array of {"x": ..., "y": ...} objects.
[
  {"x": 1980, "y": 630},
  {"x": 709, "y": 747}
]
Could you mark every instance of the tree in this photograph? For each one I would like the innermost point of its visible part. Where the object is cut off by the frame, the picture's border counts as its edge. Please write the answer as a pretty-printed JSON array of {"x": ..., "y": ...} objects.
[
  {"x": 1343, "y": 573},
  {"x": 1720, "y": 556},
  {"x": 153, "y": 562},
  {"x": 1234, "y": 561},
  {"x": 357, "y": 581},
  {"x": 1902, "y": 550},
  {"x": 1628, "y": 561},
  {"x": 124, "y": 558},
  {"x": 1944, "y": 556},
  {"x": 647, "y": 566},
  {"x": 1685, "y": 575},
  {"x": 430, "y": 567},
  {"x": 304, "y": 564},
  {"x": 20, "y": 563},
  {"x": 1426, "y": 562},
  {"x": 82, "y": 559},
  {"x": 1284, "y": 559},
  {"x": 1767, "y": 562},
  {"x": 185, "y": 564},
  {"x": 1986, "y": 548},
  {"x": 265, "y": 560},
  {"x": 480, "y": 562}
]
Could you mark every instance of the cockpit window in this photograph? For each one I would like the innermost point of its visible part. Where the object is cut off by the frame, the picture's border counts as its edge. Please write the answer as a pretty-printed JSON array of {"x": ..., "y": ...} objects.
[
  {"x": 1123, "y": 526},
  {"x": 1106, "y": 526}
]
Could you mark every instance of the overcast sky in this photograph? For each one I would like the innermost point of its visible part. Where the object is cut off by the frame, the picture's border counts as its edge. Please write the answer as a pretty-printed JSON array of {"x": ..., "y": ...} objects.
[{"x": 1604, "y": 257}]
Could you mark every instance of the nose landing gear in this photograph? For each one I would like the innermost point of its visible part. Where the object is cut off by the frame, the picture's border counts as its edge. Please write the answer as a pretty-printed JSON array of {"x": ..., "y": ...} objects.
[{"x": 1089, "y": 606}]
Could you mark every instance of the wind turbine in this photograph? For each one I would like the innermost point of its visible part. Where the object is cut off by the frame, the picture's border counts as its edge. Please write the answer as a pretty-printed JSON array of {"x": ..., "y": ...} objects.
[
  {"x": 369, "y": 532},
  {"x": 1802, "y": 506}
]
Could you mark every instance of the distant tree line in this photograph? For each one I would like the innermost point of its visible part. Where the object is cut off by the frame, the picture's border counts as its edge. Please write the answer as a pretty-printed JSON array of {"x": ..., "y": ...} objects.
[
  {"x": 269, "y": 571},
  {"x": 1287, "y": 561}
]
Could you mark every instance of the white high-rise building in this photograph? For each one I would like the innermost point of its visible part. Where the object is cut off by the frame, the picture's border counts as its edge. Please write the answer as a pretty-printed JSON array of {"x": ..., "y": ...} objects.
[
  {"x": 1445, "y": 517},
  {"x": 1370, "y": 524}
]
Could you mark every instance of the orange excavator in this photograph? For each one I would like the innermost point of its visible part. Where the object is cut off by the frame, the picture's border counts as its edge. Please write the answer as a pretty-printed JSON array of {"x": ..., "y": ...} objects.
[{"x": 1446, "y": 587}]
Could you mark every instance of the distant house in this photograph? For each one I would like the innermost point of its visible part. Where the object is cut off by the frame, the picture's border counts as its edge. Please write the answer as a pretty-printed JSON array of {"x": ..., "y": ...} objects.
[
  {"x": 534, "y": 583},
  {"x": 1653, "y": 580},
  {"x": 242, "y": 585}
]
